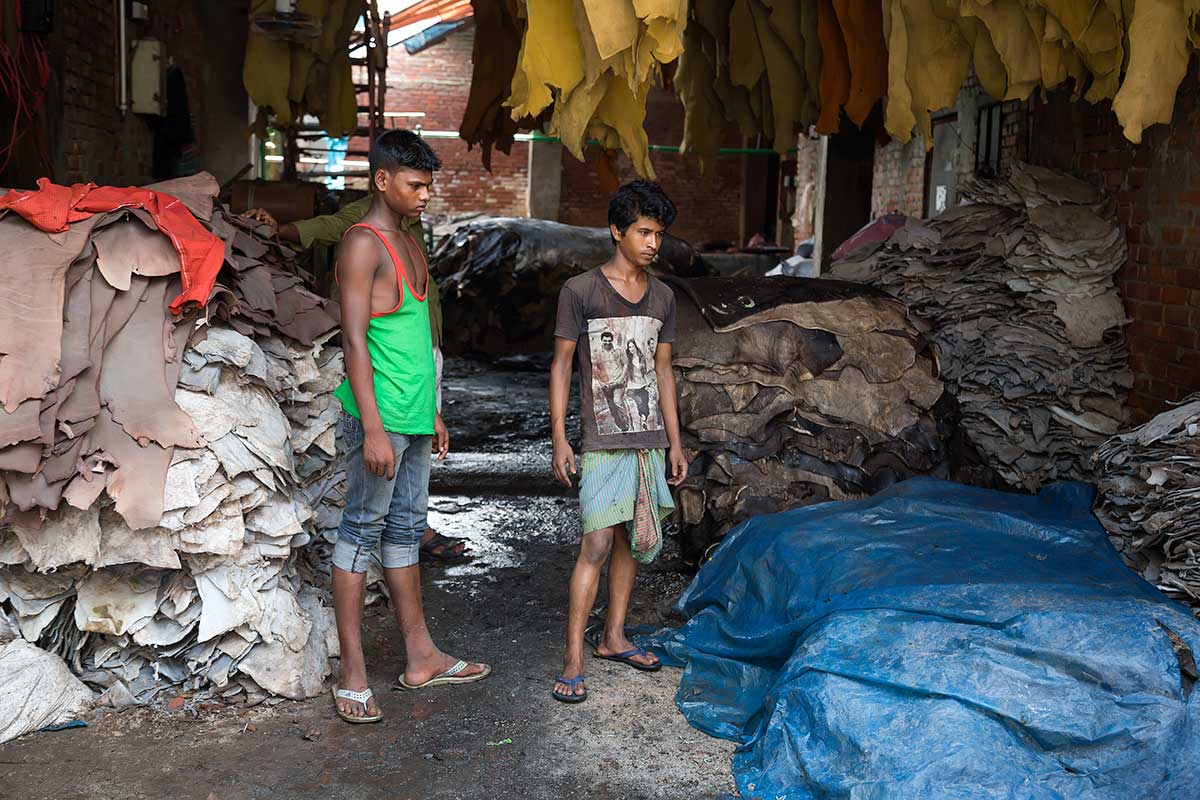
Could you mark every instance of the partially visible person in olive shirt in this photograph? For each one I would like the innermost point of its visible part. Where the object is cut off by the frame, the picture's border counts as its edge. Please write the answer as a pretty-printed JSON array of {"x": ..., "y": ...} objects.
[{"x": 328, "y": 230}]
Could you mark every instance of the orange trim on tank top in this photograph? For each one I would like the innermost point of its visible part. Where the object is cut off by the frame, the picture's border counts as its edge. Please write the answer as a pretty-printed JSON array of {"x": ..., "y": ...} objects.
[{"x": 397, "y": 265}]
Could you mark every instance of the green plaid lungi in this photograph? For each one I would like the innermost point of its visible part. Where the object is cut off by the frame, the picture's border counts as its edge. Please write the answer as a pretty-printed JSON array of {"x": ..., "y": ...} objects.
[{"x": 626, "y": 486}]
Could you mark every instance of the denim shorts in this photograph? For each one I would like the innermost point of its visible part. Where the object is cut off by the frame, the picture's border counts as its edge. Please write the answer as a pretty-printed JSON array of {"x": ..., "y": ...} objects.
[{"x": 392, "y": 511}]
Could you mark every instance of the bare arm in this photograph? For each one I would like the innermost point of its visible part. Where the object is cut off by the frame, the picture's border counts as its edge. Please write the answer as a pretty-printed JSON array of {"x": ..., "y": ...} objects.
[
  {"x": 560, "y": 389},
  {"x": 669, "y": 404},
  {"x": 356, "y": 265},
  {"x": 288, "y": 232}
]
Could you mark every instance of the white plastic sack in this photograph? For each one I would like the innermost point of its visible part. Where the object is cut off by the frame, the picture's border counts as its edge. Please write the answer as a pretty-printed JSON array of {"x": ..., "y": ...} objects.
[{"x": 39, "y": 690}]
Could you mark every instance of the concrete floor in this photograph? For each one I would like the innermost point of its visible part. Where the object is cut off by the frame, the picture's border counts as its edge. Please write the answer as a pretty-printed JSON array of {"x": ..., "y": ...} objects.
[{"x": 502, "y": 738}]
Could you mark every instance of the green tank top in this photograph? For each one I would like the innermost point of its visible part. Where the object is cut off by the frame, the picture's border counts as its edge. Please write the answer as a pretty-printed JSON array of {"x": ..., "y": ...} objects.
[{"x": 401, "y": 350}]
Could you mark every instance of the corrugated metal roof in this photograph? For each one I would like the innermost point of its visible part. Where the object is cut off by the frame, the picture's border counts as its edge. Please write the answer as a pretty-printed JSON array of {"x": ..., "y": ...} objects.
[{"x": 431, "y": 12}]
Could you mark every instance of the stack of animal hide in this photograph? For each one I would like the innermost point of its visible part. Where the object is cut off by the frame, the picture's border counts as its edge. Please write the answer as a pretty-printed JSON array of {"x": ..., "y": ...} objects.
[
  {"x": 176, "y": 465},
  {"x": 1018, "y": 288},
  {"x": 795, "y": 391},
  {"x": 1149, "y": 498},
  {"x": 500, "y": 279}
]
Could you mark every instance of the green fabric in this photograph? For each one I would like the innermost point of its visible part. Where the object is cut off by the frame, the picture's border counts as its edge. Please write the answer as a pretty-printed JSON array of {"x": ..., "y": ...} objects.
[
  {"x": 626, "y": 487},
  {"x": 401, "y": 352},
  {"x": 330, "y": 228}
]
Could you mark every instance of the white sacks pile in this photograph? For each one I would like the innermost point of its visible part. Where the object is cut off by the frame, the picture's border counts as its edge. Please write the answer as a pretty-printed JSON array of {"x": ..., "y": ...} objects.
[{"x": 1017, "y": 288}]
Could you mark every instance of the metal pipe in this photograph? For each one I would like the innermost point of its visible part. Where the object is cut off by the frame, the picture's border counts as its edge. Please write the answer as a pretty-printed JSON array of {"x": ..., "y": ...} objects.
[
  {"x": 321, "y": 173},
  {"x": 122, "y": 58},
  {"x": 654, "y": 148}
]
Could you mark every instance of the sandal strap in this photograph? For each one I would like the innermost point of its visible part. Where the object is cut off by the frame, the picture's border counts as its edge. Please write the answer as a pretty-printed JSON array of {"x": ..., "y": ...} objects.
[
  {"x": 359, "y": 697},
  {"x": 637, "y": 651},
  {"x": 441, "y": 540},
  {"x": 572, "y": 682},
  {"x": 457, "y": 668}
]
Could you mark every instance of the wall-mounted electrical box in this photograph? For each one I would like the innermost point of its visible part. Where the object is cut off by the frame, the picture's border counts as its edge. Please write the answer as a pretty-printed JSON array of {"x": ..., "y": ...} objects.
[{"x": 148, "y": 78}]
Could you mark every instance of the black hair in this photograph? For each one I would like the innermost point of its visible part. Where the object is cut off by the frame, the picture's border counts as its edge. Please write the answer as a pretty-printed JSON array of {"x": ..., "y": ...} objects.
[
  {"x": 640, "y": 199},
  {"x": 394, "y": 149}
]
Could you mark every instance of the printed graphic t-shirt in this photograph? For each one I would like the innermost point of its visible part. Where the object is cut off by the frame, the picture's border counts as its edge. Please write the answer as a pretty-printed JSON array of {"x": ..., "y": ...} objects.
[{"x": 616, "y": 340}]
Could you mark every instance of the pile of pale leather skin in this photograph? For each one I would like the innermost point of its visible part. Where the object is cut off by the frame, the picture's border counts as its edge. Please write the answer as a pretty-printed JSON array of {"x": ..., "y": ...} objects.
[
  {"x": 157, "y": 498},
  {"x": 795, "y": 391},
  {"x": 1017, "y": 288}
]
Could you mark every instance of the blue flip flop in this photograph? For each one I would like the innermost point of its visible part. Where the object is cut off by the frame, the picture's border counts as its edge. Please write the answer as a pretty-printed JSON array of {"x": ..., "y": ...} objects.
[
  {"x": 627, "y": 658},
  {"x": 572, "y": 697}
]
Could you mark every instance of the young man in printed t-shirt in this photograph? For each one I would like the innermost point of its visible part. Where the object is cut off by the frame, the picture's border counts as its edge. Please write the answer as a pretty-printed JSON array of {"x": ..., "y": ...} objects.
[{"x": 620, "y": 321}]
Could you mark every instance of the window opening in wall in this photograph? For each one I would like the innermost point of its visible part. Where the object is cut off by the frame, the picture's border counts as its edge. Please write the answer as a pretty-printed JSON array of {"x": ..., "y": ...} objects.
[
  {"x": 940, "y": 177},
  {"x": 987, "y": 143}
]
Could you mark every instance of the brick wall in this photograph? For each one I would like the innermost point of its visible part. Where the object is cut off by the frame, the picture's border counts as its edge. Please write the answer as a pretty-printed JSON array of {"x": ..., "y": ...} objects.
[
  {"x": 899, "y": 183},
  {"x": 709, "y": 206},
  {"x": 437, "y": 81},
  {"x": 900, "y": 168},
  {"x": 87, "y": 137},
  {"x": 97, "y": 143},
  {"x": 1157, "y": 188},
  {"x": 1014, "y": 132}
]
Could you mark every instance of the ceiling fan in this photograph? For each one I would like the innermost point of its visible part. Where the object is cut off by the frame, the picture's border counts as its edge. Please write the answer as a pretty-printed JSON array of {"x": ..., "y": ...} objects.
[{"x": 286, "y": 23}]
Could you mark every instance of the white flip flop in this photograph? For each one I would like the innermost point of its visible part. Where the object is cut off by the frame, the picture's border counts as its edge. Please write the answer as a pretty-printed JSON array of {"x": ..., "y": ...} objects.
[
  {"x": 451, "y": 676},
  {"x": 363, "y": 697}
]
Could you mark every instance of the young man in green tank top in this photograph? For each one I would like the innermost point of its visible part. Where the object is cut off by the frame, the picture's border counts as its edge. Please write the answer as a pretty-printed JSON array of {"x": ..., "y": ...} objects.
[
  {"x": 391, "y": 425},
  {"x": 328, "y": 229}
]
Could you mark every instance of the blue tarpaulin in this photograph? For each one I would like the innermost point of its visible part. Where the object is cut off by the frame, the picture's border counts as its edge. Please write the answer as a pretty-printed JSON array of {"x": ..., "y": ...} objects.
[{"x": 939, "y": 641}]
